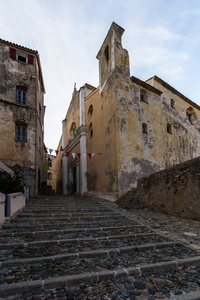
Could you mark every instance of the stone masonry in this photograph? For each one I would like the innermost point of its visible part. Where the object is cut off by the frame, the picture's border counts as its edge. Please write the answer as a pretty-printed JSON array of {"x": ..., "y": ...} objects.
[{"x": 174, "y": 191}]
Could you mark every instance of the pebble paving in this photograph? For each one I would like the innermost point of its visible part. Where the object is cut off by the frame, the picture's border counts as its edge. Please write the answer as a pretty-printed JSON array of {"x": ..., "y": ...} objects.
[{"x": 83, "y": 248}]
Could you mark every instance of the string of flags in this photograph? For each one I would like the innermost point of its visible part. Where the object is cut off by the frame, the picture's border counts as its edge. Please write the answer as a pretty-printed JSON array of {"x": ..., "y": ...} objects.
[
  {"x": 73, "y": 154},
  {"x": 90, "y": 155}
]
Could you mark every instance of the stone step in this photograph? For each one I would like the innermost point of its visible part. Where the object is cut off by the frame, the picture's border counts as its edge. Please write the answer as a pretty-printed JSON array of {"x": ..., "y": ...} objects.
[
  {"x": 54, "y": 247},
  {"x": 89, "y": 218},
  {"x": 23, "y": 279},
  {"x": 25, "y": 237},
  {"x": 57, "y": 225},
  {"x": 57, "y": 214},
  {"x": 38, "y": 257}
]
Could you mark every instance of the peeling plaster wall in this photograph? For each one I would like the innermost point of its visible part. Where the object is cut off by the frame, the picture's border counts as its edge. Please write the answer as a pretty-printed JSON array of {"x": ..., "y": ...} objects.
[
  {"x": 28, "y": 154},
  {"x": 72, "y": 115},
  {"x": 102, "y": 169}
]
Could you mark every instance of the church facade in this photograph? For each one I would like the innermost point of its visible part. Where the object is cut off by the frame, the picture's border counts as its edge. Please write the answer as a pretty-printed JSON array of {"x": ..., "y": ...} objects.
[{"x": 125, "y": 129}]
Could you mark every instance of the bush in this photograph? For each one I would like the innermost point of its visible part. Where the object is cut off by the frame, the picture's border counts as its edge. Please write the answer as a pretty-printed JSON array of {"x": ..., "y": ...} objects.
[{"x": 11, "y": 183}]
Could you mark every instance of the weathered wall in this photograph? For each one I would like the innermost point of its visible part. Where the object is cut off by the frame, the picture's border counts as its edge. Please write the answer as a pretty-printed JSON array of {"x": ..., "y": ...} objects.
[
  {"x": 59, "y": 169},
  {"x": 174, "y": 191},
  {"x": 28, "y": 154}
]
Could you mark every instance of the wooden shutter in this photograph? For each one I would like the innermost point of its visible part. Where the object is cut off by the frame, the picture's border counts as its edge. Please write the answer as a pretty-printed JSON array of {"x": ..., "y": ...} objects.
[
  {"x": 30, "y": 59},
  {"x": 12, "y": 53}
]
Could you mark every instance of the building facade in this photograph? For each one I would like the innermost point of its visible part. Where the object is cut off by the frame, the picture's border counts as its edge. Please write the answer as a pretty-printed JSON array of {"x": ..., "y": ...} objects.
[
  {"x": 134, "y": 128},
  {"x": 22, "y": 113}
]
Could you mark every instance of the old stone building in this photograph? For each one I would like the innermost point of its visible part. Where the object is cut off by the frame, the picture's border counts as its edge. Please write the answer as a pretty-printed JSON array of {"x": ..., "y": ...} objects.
[
  {"x": 134, "y": 128},
  {"x": 22, "y": 112}
]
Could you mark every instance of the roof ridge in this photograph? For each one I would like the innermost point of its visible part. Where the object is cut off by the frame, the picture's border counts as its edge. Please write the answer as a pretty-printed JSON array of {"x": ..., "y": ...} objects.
[{"x": 18, "y": 46}]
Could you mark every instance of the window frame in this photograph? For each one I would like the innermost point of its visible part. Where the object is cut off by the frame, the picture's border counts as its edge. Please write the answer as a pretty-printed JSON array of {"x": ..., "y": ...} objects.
[
  {"x": 23, "y": 92},
  {"x": 21, "y": 132}
]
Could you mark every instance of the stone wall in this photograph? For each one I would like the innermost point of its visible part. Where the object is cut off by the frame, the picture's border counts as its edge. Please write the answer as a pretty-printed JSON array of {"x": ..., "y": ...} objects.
[{"x": 174, "y": 191}]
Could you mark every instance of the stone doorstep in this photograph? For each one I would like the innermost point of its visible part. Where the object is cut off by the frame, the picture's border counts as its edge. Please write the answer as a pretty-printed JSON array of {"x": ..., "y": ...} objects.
[
  {"x": 14, "y": 234},
  {"x": 62, "y": 241},
  {"x": 16, "y": 288},
  {"x": 87, "y": 254}
]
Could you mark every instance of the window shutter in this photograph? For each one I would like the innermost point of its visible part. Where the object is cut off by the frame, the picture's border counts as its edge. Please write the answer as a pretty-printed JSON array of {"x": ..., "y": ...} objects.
[
  {"x": 30, "y": 59},
  {"x": 12, "y": 53}
]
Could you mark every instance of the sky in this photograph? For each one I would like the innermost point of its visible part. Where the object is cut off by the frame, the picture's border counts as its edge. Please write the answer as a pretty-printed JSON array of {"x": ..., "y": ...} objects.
[{"x": 162, "y": 38}]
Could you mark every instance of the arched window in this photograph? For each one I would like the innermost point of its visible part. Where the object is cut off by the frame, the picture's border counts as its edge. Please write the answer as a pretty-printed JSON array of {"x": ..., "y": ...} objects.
[
  {"x": 90, "y": 111},
  {"x": 172, "y": 103},
  {"x": 144, "y": 128},
  {"x": 169, "y": 128},
  {"x": 192, "y": 117},
  {"x": 73, "y": 129},
  {"x": 91, "y": 130},
  {"x": 106, "y": 52}
]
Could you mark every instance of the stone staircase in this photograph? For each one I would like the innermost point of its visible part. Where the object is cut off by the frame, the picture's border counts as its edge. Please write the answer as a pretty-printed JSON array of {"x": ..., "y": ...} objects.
[{"x": 82, "y": 248}]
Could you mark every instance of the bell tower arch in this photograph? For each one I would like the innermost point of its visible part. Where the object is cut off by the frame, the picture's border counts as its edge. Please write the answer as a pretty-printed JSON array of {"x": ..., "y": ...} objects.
[{"x": 112, "y": 57}]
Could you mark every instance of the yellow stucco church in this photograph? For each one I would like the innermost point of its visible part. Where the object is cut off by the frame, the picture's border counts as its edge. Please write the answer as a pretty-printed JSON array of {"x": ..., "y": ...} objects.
[{"x": 123, "y": 130}]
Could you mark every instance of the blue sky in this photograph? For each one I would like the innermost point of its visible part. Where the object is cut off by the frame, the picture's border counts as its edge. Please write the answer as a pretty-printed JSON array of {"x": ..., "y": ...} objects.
[{"x": 162, "y": 38}]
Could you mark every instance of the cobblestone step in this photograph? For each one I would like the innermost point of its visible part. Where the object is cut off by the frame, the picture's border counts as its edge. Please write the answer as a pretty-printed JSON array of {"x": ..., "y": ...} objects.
[
  {"x": 57, "y": 225},
  {"x": 25, "y": 237},
  {"x": 107, "y": 254},
  {"x": 54, "y": 247},
  {"x": 90, "y": 218}
]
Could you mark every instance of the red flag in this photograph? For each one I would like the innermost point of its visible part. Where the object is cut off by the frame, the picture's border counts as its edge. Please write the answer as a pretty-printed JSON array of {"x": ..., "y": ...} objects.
[
  {"x": 90, "y": 155},
  {"x": 68, "y": 154},
  {"x": 56, "y": 152},
  {"x": 79, "y": 155}
]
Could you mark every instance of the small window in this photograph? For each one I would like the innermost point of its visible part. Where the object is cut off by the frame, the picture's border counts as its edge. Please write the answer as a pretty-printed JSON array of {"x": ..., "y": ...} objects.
[
  {"x": 192, "y": 117},
  {"x": 21, "y": 58},
  {"x": 143, "y": 96},
  {"x": 50, "y": 176},
  {"x": 144, "y": 128},
  {"x": 21, "y": 96},
  {"x": 40, "y": 112},
  {"x": 49, "y": 162},
  {"x": 172, "y": 103},
  {"x": 169, "y": 128},
  {"x": 90, "y": 111},
  {"x": 20, "y": 133},
  {"x": 73, "y": 129},
  {"x": 106, "y": 52},
  {"x": 91, "y": 130}
]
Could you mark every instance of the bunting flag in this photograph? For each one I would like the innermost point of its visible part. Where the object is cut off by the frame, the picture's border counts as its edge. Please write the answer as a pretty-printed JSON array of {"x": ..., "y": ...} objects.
[{"x": 91, "y": 155}]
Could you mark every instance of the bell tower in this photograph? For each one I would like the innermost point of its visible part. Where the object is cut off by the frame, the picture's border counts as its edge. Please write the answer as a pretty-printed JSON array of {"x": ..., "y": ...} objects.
[{"x": 112, "y": 57}]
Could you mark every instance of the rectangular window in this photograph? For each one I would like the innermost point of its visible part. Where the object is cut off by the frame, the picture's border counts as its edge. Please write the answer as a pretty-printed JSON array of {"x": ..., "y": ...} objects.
[
  {"x": 20, "y": 133},
  {"x": 21, "y": 96},
  {"x": 50, "y": 176},
  {"x": 21, "y": 58}
]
